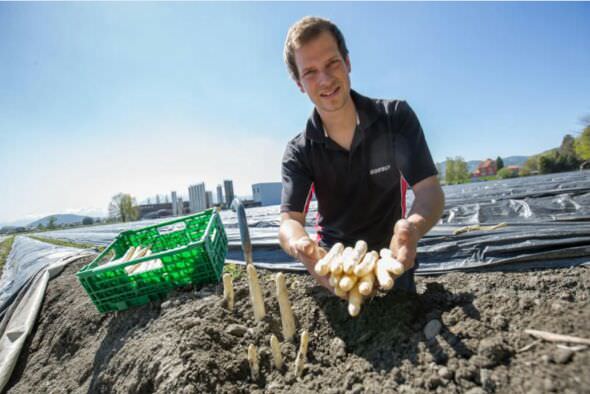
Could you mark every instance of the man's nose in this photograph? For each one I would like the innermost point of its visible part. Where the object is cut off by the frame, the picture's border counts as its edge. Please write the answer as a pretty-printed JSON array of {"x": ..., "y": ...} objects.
[{"x": 324, "y": 78}]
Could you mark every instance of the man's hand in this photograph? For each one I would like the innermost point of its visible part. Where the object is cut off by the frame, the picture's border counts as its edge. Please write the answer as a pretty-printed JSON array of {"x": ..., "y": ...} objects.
[
  {"x": 295, "y": 241},
  {"x": 405, "y": 242},
  {"x": 305, "y": 250},
  {"x": 309, "y": 252},
  {"x": 426, "y": 210}
]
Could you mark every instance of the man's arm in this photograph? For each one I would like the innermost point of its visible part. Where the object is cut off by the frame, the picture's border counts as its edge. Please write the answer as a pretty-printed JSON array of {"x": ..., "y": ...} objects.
[
  {"x": 296, "y": 242},
  {"x": 426, "y": 210}
]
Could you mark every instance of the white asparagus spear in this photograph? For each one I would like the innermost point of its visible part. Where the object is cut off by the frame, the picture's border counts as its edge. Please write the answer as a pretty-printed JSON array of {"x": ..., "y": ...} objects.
[
  {"x": 287, "y": 319},
  {"x": 392, "y": 265},
  {"x": 345, "y": 256},
  {"x": 334, "y": 279},
  {"x": 323, "y": 265},
  {"x": 302, "y": 354},
  {"x": 275, "y": 347},
  {"x": 337, "y": 261},
  {"x": 383, "y": 276},
  {"x": 367, "y": 265},
  {"x": 339, "y": 292},
  {"x": 253, "y": 361},
  {"x": 228, "y": 291},
  {"x": 366, "y": 284},
  {"x": 347, "y": 282},
  {"x": 355, "y": 257},
  {"x": 134, "y": 268},
  {"x": 355, "y": 300},
  {"x": 255, "y": 293},
  {"x": 128, "y": 254},
  {"x": 139, "y": 252}
]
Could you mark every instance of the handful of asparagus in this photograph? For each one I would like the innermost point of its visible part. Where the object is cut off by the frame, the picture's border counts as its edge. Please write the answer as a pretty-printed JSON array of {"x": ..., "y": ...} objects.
[{"x": 354, "y": 272}]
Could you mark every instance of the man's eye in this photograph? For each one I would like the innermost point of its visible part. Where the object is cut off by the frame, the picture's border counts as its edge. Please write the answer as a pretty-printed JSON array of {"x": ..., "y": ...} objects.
[{"x": 309, "y": 72}]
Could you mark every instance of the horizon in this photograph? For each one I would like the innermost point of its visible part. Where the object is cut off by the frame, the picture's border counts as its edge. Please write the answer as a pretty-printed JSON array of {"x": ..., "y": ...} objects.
[{"x": 147, "y": 98}]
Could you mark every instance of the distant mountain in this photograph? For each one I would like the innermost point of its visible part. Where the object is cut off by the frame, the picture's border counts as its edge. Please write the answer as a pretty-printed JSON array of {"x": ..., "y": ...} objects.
[
  {"x": 60, "y": 220},
  {"x": 515, "y": 160},
  {"x": 472, "y": 164},
  {"x": 16, "y": 223}
]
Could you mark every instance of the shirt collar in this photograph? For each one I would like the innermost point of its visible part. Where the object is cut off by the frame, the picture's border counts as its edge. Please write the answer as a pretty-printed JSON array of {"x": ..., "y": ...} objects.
[{"x": 366, "y": 112}]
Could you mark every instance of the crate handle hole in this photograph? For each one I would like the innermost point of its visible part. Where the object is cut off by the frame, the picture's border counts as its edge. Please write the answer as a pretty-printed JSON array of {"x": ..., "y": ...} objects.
[
  {"x": 172, "y": 228},
  {"x": 213, "y": 235}
]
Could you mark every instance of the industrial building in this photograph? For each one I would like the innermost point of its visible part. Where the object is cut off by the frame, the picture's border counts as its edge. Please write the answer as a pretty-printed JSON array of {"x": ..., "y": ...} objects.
[
  {"x": 268, "y": 193},
  {"x": 161, "y": 210}
]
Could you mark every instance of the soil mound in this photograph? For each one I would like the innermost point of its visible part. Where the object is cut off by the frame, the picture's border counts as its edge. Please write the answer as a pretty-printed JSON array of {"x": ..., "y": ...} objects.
[{"x": 460, "y": 333}]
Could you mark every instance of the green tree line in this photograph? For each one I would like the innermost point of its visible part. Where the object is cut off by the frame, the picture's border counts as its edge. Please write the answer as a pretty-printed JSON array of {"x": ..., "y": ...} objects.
[{"x": 569, "y": 156}]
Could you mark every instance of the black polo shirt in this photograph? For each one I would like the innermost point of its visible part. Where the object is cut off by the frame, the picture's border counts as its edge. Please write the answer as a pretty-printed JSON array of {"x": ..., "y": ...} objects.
[{"x": 360, "y": 192}]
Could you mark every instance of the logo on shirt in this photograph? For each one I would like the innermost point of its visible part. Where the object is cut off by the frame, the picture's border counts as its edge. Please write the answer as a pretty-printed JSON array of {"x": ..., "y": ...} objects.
[{"x": 379, "y": 170}]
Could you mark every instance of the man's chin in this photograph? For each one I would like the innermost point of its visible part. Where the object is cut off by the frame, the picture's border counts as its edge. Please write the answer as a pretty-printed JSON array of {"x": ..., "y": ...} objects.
[
  {"x": 331, "y": 105},
  {"x": 335, "y": 107}
]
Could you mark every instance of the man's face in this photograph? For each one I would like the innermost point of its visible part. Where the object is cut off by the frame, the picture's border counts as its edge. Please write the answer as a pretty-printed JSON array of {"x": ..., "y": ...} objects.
[{"x": 323, "y": 73}]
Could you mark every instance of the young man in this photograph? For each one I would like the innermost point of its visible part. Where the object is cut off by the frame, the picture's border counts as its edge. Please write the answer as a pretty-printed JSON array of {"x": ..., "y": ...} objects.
[{"x": 356, "y": 154}]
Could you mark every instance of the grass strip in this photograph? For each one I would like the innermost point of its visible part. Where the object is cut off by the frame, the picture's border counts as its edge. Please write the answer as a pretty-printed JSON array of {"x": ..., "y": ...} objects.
[
  {"x": 61, "y": 242},
  {"x": 5, "y": 247}
]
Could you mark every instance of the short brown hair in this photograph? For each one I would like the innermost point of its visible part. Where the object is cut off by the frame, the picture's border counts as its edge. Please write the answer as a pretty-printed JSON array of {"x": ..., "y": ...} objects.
[{"x": 305, "y": 30}]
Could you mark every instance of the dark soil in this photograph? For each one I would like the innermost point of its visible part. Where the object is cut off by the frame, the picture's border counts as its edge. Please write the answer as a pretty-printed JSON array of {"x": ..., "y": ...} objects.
[{"x": 191, "y": 344}]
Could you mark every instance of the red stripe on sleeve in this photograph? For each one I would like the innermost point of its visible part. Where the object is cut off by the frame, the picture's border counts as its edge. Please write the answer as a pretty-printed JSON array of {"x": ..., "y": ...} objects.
[{"x": 403, "y": 190}]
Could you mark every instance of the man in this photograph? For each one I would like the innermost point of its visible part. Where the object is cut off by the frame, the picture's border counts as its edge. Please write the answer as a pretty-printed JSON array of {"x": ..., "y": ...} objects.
[{"x": 356, "y": 155}]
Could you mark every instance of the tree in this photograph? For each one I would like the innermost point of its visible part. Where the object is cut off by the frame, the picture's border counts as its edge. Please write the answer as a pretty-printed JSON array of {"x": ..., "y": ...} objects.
[
  {"x": 524, "y": 172},
  {"x": 439, "y": 171},
  {"x": 51, "y": 222},
  {"x": 547, "y": 164},
  {"x": 462, "y": 170},
  {"x": 456, "y": 171},
  {"x": 506, "y": 173},
  {"x": 567, "y": 146},
  {"x": 123, "y": 207},
  {"x": 531, "y": 164},
  {"x": 499, "y": 163},
  {"x": 87, "y": 221},
  {"x": 450, "y": 171},
  {"x": 582, "y": 144}
]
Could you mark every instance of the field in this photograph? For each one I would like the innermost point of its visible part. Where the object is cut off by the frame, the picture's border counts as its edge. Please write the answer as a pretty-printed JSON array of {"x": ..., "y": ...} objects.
[{"x": 191, "y": 344}]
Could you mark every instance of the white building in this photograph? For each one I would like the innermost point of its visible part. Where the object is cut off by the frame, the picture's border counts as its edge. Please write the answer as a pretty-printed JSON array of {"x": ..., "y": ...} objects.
[
  {"x": 268, "y": 193},
  {"x": 197, "y": 197}
]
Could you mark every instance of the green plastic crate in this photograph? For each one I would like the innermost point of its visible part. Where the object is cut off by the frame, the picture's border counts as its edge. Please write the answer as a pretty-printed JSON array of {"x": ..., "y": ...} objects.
[{"x": 192, "y": 250}]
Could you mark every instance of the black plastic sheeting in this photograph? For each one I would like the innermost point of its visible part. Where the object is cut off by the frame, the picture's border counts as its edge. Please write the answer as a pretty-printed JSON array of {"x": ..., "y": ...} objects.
[{"x": 547, "y": 216}]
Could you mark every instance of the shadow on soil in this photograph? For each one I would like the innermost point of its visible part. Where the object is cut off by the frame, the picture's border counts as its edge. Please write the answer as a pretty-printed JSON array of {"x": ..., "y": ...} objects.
[{"x": 391, "y": 326}]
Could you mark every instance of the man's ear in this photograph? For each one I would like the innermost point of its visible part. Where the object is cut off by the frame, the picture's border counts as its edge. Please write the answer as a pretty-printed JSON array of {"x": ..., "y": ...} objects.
[{"x": 347, "y": 62}]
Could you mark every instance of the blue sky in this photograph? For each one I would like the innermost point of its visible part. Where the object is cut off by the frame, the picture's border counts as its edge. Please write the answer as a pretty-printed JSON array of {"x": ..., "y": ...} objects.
[{"x": 145, "y": 98}]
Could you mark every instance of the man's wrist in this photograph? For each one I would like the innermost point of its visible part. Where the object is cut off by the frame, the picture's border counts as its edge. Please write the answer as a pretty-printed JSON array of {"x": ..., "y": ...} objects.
[
  {"x": 416, "y": 225},
  {"x": 293, "y": 250}
]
